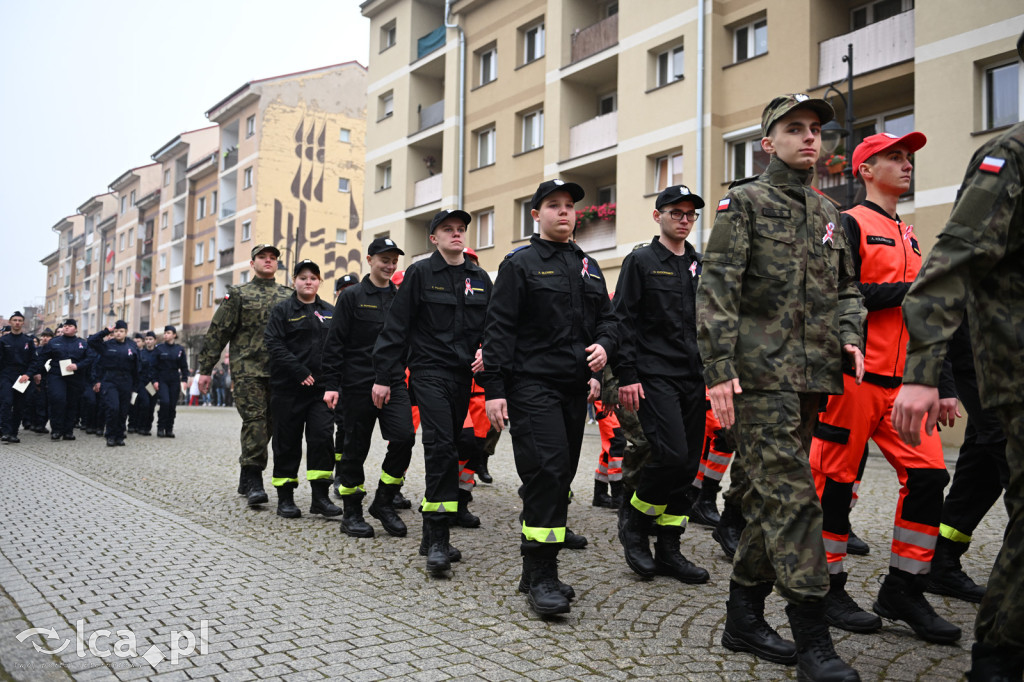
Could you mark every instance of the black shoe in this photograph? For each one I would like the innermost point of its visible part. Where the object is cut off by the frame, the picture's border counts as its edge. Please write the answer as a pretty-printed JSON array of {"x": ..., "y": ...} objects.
[
  {"x": 481, "y": 469},
  {"x": 99, "y": 434},
  {"x": 383, "y": 510},
  {"x": 144, "y": 433},
  {"x": 601, "y": 497},
  {"x": 454, "y": 555},
  {"x": 816, "y": 656},
  {"x": 160, "y": 433},
  {"x": 168, "y": 434},
  {"x": 255, "y": 495},
  {"x": 615, "y": 489},
  {"x": 286, "y": 502},
  {"x": 633, "y": 536},
  {"x": 352, "y": 522},
  {"x": 729, "y": 529},
  {"x": 947, "y": 575},
  {"x": 68, "y": 436},
  {"x": 243, "y": 482},
  {"x": 120, "y": 441},
  {"x": 464, "y": 517},
  {"x": 574, "y": 540},
  {"x": 705, "y": 509},
  {"x": 545, "y": 594},
  {"x": 438, "y": 562},
  {"x": 901, "y": 598},
  {"x": 131, "y": 429},
  {"x": 400, "y": 501},
  {"x": 111, "y": 443},
  {"x": 39, "y": 429},
  {"x": 856, "y": 546},
  {"x": 321, "y": 501},
  {"x": 524, "y": 584},
  {"x": 842, "y": 612},
  {"x": 90, "y": 431},
  {"x": 747, "y": 630},
  {"x": 54, "y": 436},
  {"x": 669, "y": 561}
]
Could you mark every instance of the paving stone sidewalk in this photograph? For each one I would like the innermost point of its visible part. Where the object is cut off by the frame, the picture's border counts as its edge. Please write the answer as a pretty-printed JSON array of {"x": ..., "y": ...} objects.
[{"x": 151, "y": 538}]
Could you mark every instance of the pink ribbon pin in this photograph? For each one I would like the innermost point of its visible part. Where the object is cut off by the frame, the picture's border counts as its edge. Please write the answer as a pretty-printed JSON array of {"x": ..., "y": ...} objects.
[
  {"x": 469, "y": 288},
  {"x": 828, "y": 233},
  {"x": 693, "y": 269},
  {"x": 586, "y": 268}
]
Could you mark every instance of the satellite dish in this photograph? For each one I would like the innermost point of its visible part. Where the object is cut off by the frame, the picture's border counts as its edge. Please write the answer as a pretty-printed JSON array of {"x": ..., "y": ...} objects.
[{"x": 80, "y": 264}]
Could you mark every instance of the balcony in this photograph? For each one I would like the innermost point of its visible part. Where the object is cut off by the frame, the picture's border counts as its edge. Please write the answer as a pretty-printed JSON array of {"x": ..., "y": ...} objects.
[
  {"x": 227, "y": 208},
  {"x": 226, "y": 258},
  {"x": 175, "y": 317},
  {"x": 597, "y": 133},
  {"x": 430, "y": 42},
  {"x": 180, "y": 186},
  {"x": 431, "y": 115},
  {"x": 594, "y": 38},
  {"x": 876, "y": 46},
  {"x": 177, "y": 273},
  {"x": 427, "y": 191},
  {"x": 179, "y": 231},
  {"x": 230, "y": 158}
]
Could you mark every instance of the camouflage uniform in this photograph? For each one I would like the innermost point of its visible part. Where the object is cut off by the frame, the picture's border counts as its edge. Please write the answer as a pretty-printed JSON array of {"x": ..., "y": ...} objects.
[
  {"x": 776, "y": 304},
  {"x": 976, "y": 267},
  {"x": 241, "y": 320},
  {"x": 637, "y": 448}
]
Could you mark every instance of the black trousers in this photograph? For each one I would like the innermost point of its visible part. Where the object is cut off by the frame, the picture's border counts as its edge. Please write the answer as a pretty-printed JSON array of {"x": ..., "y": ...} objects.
[
  {"x": 443, "y": 401},
  {"x": 395, "y": 427},
  {"x": 168, "y": 394},
  {"x": 11, "y": 403},
  {"x": 145, "y": 406},
  {"x": 116, "y": 397},
  {"x": 64, "y": 394},
  {"x": 294, "y": 413},
  {"x": 546, "y": 423},
  {"x": 672, "y": 416}
]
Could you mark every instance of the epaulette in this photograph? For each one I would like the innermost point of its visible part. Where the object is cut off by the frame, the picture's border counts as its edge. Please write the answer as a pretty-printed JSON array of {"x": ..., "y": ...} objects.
[
  {"x": 743, "y": 181},
  {"x": 516, "y": 250},
  {"x": 640, "y": 245}
]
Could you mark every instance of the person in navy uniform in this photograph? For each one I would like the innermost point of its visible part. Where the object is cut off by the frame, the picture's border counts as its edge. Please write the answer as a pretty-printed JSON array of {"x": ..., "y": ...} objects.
[
  {"x": 17, "y": 351},
  {"x": 118, "y": 367},
  {"x": 171, "y": 371},
  {"x": 146, "y": 403},
  {"x": 64, "y": 392}
]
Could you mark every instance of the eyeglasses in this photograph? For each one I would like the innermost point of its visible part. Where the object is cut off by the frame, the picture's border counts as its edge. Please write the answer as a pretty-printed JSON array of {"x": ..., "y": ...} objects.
[{"x": 679, "y": 215}]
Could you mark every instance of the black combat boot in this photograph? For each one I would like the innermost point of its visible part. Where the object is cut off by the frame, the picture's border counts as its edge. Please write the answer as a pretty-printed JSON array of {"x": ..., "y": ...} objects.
[
  {"x": 669, "y": 561},
  {"x": 574, "y": 540},
  {"x": 321, "y": 502},
  {"x": 842, "y": 611},
  {"x": 160, "y": 432},
  {"x": 55, "y": 435},
  {"x": 633, "y": 536},
  {"x": 464, "y": 517},
  {"x": 438, "y": 562},
  {"x": 545, "y": 594},
  {"x": 243, "y": 482},
  {"x": 616, "y": 493},
  {"x": 454, "y": 554},
  {"x": 995, "y": 664},
  {"x": 947, "y": 575},
  {"x": 352, "y": 523},
  {"x": 901, "y": 598},
  {"x": 383, "y": 509},
  {"x": 524, "y": 583},
  {"x": 481, "y": 468},
  {"x": 111, "y": 442},
  {"x": 817, "y": 659},
  {"x": 286, "y": 502},
  {"x": 747, "y": 630},
  {"x": 400, "y": 501},
  {"x": 601, "y": 497},
  {"x": 705, "y": 508},
  {"x": 856, "y": 546},
  {"x": 729, "y": 529},
  {"x": 255, "y": 494}
]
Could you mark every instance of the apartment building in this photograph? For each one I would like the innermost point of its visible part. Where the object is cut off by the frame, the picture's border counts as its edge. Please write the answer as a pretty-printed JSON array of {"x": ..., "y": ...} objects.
[
  {"x": 130, "y": 297},
  {"x": 100, "y": 216},
  {"x": 628, "y": 97},
  {"x": 69, "y": 266}
]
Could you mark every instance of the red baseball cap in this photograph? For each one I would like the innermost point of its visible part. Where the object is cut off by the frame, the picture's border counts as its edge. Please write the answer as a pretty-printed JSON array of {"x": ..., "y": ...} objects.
[
  {"x": 472, "y": 254},
  {"x": 874, "y": 144},
  {"x": 398, "y": 278}
]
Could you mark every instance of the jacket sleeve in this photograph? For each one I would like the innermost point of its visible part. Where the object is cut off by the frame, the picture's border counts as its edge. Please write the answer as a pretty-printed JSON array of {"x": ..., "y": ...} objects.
[
  {"x": 282, "y": 359},
  {"x": 851, "y": 312},
  {"x": 628, "y": 293},
  {"x": 877, "y": 295},
  {"x": 222, "y": 328},
  {"x": 508, "y": 298},
  {"x": 391, "y": 349},
  {"x": 38, "y": 365},
  {"x": 607, "y": 335},
  {"x": 337, "y": 338},
  {"x": 96, "y": 340}
]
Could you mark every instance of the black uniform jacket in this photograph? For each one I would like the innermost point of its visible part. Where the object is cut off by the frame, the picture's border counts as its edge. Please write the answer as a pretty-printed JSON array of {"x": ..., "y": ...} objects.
[
  {"x": 116, "y": 361},
  {"x": 63, "y": 348},
  {"x": 17, "y": 351},
  {"x": 171, "y": 363},
  {"x": 295, "y": 337},
  {"x": 358, "y": 319}
]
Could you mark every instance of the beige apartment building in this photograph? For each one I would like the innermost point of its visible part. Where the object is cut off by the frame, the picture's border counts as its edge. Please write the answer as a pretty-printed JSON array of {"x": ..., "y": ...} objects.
[{"x": 628, "y": 97}]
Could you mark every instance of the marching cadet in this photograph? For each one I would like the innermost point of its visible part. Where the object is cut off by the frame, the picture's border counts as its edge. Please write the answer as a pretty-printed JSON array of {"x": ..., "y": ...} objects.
[
  {"x": 974, "y": 267},
  {"x": 40, "y": 408},
  {"x": 776, "y": 310},
  {"x": 436, "y": 321},
  {"x": 549, "y": 327},
  {"x": 294, "y": 338},
  {"x": 133, "y": 411},
  {"x": 64, "y": 391},
  {"x": 171, "y": 373},
  {"x": 659, "y": 373},
  {"x": 241, "y": 320},
  {"x": 17, "y": 351},
  {"x": 117, "y": 365},
  {"x": 148, "y": 378},
  {"x": 886, "y": 258},
  {"x": 348, "y": 375},
  {"x": 344, "y": 282}
]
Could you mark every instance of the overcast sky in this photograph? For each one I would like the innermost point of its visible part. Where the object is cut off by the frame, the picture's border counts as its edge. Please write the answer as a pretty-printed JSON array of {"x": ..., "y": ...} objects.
[{"x": 90, "y": 89}]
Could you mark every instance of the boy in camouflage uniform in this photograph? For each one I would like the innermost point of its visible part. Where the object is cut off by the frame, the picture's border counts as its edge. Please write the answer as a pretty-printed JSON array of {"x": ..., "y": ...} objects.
[{"x": 776, "y": 309}]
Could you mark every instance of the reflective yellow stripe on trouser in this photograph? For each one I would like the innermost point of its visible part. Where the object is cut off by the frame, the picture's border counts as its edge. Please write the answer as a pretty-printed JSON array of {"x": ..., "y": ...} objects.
[
  {"x": 388, "y": 479},
  {"x": 278, "y": 482},
  {"x": 342, "y": 490},
  {"x": 658, "y": 512},
  {"x": 951, "y": 533},
  {"x": 318, "y": 475},
  {"x": 337, "y": 456},
  {"x": 446, "y": 506},
  {"x": 546, "y": 535}
]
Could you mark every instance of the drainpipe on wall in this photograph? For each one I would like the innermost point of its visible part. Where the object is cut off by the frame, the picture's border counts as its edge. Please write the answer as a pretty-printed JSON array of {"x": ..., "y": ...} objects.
[
  {"x": 462, "y": 102},
  {"x": 700, "y": 116}
]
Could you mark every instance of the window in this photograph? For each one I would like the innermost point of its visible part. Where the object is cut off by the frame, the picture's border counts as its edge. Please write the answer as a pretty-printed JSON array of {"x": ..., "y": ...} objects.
[
  {"x": 750, "y": 40},
  {"x": 250, "y": 126},
  {"x": 606, "y": 195},
  {"x": 160, "y": 302},
  {"x": 213, "y": 203},
  {"x": 747, "y": 158},
  {"x": 246, "y": 230},
  {"x": 163, "y": 261},
  {"x": 133, "y": 198},
  {"x": 167, "y": 176},
  {"x": 343, "y": 185},
  {"x": 669, "y": 66},
  {"x": 247, "y": 178},
  {"x": 341, "y": 236},
  {"x": 385, "y": 105},
  {"x": 484, "y": 229},
  {"x": 163, "y": 220},
  {"x": 1002, "y": 95},
  {"x": 120, "y": 244},
  {"x": 668, "y": 170},
  {"x": 388, "y": 34},
  {"x": 384, "y": 175},
  {"x": 199, "y": 254},
  {"x": 131, "y": 238},
  {"x": 533, "y": 130},
  {"x": 606, "y": 104},
  {"x": 199, "y": 297},
  {"x": 209, "y": 294},
  {"x": 877, "y": 11},
  {"x": 485, "y": 147},
  {"x": 527, "y": 225},
  {"x": 533, "y": 43},
  {"x": 124, "y": 204},
  {"x": 345, "y": 135},
  {"x": 243, "y": 277},
  {"x": 201, "y": 207},
  {"x": 211, "y": 249},
  {"x": 120, "y": 279},
  {"x": 488, "y": 60}
]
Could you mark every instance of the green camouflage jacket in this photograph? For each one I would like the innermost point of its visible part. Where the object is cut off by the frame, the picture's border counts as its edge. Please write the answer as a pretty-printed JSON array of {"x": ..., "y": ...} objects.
[
  {"x": 977, "y": 265},
  {"x": 241, "y": 320},
  {"x": 777, "y": 299}
]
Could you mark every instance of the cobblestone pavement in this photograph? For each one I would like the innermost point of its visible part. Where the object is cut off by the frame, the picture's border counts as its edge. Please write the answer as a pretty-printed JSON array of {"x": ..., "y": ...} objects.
[{"x": 152, "y": 539}]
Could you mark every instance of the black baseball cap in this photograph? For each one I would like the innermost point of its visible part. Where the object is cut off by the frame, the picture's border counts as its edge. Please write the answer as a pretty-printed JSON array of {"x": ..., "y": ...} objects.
[
  {"x": 384, "y": 244},
  {"x": 549, "y": 186},
  {"x": 170, "y": 328},
  {"x": 71, "y": 321},
  {"x": 120, "y": 324},
  {"x": 47, "y": 332},
  {"x": 444, "y": 215},
  {"x": 150, "y": 334},
  {"x": 306, "y": 264},
  {"x": 671, "y": 195},
  {"x": 346, "y": 281}
]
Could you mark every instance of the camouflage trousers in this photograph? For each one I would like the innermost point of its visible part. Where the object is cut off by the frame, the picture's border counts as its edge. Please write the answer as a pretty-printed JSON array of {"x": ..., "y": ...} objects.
[
  {"x": 782, "y": 540},
  {"x": 637, "y": 451},
  {"x": 252, "y": 400},
  {"x": 1000, "y": 621}
]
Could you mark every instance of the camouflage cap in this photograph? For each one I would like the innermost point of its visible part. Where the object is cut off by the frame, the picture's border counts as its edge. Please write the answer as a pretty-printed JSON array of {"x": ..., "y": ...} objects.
[
  {"x": 260, "y": 248},
  {"x": 783, "y": 104}
]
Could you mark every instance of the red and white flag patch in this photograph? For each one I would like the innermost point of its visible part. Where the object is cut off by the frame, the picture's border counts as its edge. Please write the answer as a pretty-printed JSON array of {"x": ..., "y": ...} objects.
[
  {"x": 723, "y": 205},
  {"x": 992, "y": 164}
]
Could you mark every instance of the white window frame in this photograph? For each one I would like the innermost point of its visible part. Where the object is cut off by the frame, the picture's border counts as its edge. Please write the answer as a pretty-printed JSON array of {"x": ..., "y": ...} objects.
[
  {"x": 213, "y": 202},
  {"x": 387, "y": 105},
  {"x": 211, "y": 249},
  {"x": 869, "y": 12},
  {"x": 669, "y": 66},
  {"x": 199, "y": 297},
  {"x": 384, "y": 176},
  {"x": 133, "y": 198},
  {"x": 246, "y": 230},
  {"x": 486, "y": 147},
  {"x": 198, "y": 260},
  {"x": 243, "y": 276},
  {"x": 160, "y": 303},
  {"x": 167, "y": 177},
  {"x": 614, "y": 97},
  {"x": 488, "y": 61},
  {"x": 124, "y": 204},
  {"x": 209, "y": 295},
  {"x": 120, "y": 243},
  {"x": 612, "y": 191},
  {"x": 388, "y": 35},
  {"x": 201, "y": 207},
  {"x": 163, "y": 261},
  {"x": 345, "y": 135},
  {"x": 533, "y": 37},
  {"x": 344, "y": 185},
  {"x": 484, "y": 229},
  {"x": 986, "y": 94},
  {"x": 751, "y": 42},
  {"x": 526, "y": 225},
  {"x": 247, "y": 178},
  {"x": 163, "y": 220},
  {"x": 250, "y": 126},
  {"x": 533, "y": 130},
  {"x": 670, "y": 164}
]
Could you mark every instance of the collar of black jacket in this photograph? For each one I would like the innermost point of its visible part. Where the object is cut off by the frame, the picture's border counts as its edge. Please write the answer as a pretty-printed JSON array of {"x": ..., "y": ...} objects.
[
  {"x": 664, "y": 254},
  {"x": 438, "y": 263},
  {"x": 547, "y": 249}
]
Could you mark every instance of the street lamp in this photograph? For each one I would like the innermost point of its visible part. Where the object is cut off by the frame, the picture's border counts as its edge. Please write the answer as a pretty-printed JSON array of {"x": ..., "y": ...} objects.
[{"x": 832, "y": 133}]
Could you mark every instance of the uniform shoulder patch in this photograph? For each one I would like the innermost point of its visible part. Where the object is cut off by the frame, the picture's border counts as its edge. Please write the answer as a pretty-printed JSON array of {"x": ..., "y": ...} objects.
[
  {"x": 640, "y": 246},
  {"x": 992, "y": 164},
  {"x": 517, "y": 250},
  {"x": 724, "y": 204}
]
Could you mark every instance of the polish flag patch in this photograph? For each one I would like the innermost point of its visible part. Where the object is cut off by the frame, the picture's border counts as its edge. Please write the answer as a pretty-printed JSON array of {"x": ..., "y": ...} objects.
[
  {"x": 992, "y": 164},
  {"x": 723, "y": 205}
]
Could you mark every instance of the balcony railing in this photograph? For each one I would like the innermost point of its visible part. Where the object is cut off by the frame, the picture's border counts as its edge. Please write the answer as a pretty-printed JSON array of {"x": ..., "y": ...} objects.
[
  {"x": 594, "y": 38},
  {"x": 427, "y": 190},
  {"x": 227, "y": 208},
  {"x": 230, "y": 158},
  {"x": 179, "y": 230},
  {"x": 226, "y": 258},
  {"x": 175, "y": 317},
  {"x": 597, "y": 133},
  {"x": 180, "y": 186},
  {"x": 177, "y": 272},
  {"x": 430, "y": 42},
  {"x": 875, "y": 46},
  {"x": 431, "y": 115}
]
